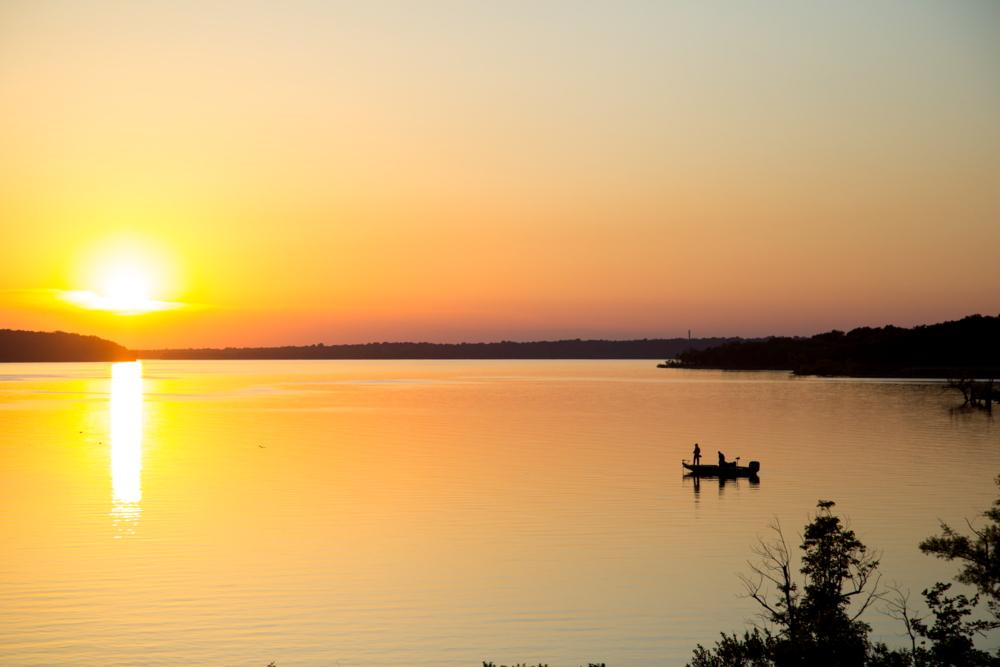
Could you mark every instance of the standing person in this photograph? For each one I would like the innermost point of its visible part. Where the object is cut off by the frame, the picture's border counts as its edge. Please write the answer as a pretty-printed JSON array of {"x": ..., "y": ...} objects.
[
  {"x": 722, "y": 459},
  {"x": 697, "y": 454}
]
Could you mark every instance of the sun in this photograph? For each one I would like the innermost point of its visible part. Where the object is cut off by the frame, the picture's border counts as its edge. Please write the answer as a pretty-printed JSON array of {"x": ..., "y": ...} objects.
[{"x": 124, "y": 289}]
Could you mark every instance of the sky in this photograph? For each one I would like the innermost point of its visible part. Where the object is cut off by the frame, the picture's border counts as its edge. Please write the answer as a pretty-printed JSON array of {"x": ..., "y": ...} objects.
[{"x": 201, "y": 173}]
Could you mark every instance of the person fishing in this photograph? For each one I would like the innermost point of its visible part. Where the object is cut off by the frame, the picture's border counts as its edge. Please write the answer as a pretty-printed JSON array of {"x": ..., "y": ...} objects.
[{"x": 697, "y": 454}]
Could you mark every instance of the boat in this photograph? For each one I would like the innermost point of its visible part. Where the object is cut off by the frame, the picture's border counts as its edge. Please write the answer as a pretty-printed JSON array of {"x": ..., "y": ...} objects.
[{"x": 728, "y": 470}]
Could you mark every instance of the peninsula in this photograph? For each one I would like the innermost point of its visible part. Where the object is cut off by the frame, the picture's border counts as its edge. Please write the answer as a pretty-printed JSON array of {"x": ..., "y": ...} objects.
[
  {"x": 965, "y": 348},
  {"x": 25, "y": 346}
]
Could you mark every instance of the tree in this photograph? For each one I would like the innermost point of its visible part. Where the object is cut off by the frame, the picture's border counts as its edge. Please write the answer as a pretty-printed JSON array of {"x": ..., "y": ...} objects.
[
  {"x": 815, "y": 619},
  {"x": 838, "y": 569},
  {"x": 978, "y": 553},
  {"x": 951, "y": 634},
  {"x": 816, "y": 622},
  {"x": 753, "y": 650}
]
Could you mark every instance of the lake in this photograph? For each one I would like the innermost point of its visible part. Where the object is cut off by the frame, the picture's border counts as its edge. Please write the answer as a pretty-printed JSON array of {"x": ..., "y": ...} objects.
[{"x": 362, "y": 513}]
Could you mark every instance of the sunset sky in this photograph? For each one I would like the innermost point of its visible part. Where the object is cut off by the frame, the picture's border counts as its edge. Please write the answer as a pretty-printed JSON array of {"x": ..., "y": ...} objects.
[{"x": 240, "y": 173}]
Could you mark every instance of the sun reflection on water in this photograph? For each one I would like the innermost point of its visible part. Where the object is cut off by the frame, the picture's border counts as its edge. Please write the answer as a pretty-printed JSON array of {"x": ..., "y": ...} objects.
[{"x": 126, "y": 445}]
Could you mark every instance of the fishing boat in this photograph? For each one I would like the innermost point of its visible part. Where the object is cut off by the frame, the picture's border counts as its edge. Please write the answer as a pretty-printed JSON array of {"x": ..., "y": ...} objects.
[{"x": 728, "y": 470}]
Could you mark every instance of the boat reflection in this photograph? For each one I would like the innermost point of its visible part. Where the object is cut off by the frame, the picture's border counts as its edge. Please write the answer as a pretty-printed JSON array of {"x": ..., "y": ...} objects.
[
  {"x": 126, "y": 445},
  {"x": 723, "y": 482}
]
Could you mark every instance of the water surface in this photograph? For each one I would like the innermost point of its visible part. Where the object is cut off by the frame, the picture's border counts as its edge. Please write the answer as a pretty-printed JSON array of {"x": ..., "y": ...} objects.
[{"x": 439, "y": 512}]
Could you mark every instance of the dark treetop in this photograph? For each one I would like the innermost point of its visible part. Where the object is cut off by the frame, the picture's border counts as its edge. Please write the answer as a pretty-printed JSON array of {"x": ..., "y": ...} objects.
[
  {"x": 58, "y": 346},
  {"x": 969, "y": 347}
]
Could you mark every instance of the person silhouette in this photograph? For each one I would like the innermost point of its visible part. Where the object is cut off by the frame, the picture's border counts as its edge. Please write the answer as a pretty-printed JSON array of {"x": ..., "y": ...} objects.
[
  {"x": 697, "y": 454},
  {"x": 722, "y": 459}
]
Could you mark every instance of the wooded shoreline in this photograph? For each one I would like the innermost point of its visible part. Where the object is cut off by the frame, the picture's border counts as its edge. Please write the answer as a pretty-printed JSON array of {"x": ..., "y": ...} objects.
[{"x": 966, "y": 348}]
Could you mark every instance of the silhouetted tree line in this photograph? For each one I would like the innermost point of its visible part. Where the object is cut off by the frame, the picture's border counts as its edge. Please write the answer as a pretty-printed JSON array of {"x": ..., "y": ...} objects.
[
  {"x": 969, "y": 347},
  {"x": 58, "y": 346},
  {"x": 646, "y": 348},
  {"x": 815, "y": 619}
]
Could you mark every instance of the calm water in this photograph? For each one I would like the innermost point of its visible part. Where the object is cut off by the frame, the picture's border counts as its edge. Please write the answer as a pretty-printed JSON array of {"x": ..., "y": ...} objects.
[{"x": 439, "y": 513}]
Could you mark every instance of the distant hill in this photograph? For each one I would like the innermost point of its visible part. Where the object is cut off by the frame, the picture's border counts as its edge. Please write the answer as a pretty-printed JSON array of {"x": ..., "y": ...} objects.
[
  {"x": 653, "y": 348},
  {"x": 969, "y": 347},
  {"x": 58, "y": 346}
]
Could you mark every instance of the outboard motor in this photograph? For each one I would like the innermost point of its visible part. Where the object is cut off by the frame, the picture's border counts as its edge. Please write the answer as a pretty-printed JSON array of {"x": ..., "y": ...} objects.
[{"x": 754, "y": 467}]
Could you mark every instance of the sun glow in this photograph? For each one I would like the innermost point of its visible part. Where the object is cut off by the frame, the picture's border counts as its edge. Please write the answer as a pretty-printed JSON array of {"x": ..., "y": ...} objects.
[{"x": 125, "y": 290}]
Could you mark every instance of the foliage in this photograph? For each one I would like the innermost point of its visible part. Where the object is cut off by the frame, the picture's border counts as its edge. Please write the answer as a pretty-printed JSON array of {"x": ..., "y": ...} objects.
[
  {"x": 966, "y": 347},
  {"x": 58, "y": 346},
  {"x": 753, "y": 650},
  {"x": 815, "y": 620},
  {"x": 951, "y": 634},
  {"x": 837, "y": 568},
  {"x": 978, "y": 554},
  {"x": 880, "y": 655}
]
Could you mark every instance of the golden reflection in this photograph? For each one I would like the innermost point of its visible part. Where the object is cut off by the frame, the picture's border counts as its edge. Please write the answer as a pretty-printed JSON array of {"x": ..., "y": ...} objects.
[{"x": 126, "y": 444}]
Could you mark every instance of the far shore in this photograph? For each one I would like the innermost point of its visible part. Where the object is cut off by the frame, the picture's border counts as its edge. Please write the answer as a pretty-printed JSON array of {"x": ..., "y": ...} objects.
[{"x": 961, "y": 349}]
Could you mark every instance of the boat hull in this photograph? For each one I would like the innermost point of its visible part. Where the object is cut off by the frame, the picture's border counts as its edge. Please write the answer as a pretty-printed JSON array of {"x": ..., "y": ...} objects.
[{"x": 722, "y": 471}]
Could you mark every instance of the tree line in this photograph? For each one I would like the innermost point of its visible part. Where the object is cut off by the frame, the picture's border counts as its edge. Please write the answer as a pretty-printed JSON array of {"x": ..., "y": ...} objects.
[
  {"x": 23, "y": 346},
  {"x": 962, "y": 348},
  {"x": 645, "y": 348}
]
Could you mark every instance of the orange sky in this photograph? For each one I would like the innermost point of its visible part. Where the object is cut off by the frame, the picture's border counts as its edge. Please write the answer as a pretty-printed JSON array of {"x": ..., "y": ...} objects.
[{"x": 302, "y": 172}]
